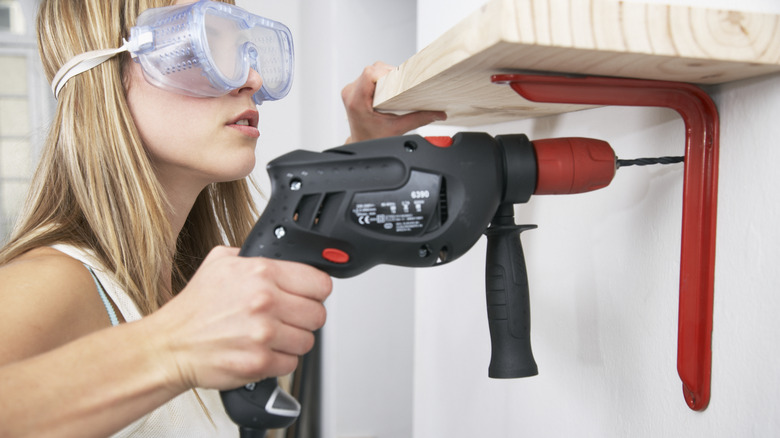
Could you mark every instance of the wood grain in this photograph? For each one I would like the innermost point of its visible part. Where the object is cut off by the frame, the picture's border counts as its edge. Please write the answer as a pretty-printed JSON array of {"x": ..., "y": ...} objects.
[{"x": 594, "y": 37}]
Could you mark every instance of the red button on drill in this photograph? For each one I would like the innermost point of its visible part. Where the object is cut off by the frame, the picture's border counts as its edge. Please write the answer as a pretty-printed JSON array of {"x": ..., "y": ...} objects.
[
  {"x": 335, "y": 255},
  {"x": 438, "y": 141}
]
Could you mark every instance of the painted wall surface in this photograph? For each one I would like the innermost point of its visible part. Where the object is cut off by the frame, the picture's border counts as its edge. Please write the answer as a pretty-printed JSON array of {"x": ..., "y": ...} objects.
[{"x": 604, "y": 271}]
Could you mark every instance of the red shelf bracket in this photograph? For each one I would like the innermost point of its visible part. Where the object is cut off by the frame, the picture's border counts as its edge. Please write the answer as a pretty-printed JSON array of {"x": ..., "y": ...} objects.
[{"x": 700, "y": 192}]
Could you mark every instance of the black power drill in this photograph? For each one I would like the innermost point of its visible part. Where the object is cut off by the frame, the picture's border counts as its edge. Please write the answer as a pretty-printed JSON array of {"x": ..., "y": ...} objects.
[{"x": 417, "y": 202}]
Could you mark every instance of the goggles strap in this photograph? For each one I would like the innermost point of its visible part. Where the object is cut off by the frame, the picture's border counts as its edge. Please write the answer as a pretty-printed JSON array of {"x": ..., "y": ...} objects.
[{"x": 81, "y": 63}]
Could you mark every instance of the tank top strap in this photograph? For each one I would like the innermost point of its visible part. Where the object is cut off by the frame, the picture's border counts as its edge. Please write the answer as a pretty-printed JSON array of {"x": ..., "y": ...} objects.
[{"x": 103, "y": 296}]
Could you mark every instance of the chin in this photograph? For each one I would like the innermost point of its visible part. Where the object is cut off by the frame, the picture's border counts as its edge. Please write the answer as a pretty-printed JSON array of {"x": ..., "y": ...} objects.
[{"x": 240, "y": 173}]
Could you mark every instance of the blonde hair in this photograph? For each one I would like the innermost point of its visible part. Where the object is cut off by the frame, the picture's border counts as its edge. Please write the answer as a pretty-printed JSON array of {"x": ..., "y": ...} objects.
[{"x": 95, "y": 186}]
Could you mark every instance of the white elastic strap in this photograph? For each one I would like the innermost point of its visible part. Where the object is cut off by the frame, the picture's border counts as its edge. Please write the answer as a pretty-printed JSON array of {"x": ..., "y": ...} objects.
[{"x": 81, "y": 63}]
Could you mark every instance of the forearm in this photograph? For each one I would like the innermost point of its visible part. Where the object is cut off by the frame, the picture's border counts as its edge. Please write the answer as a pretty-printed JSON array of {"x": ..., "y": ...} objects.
[{"x": 93, "y": 386}]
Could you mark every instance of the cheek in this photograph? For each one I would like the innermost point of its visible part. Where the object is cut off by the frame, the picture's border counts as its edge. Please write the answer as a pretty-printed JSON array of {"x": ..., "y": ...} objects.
[{"x": 166, "y": 123}]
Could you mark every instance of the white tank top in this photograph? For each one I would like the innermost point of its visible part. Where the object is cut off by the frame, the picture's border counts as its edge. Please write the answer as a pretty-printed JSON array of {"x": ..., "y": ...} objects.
[{"x": 181, "y": 417}]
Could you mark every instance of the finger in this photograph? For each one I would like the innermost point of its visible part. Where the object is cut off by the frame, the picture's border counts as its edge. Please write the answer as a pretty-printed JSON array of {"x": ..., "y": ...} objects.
[
  {"x": 272, "y": 365},
  {"x": 292, "y": 340},
  {"x": 219, "y": 252},
  {"x": 303, "y": 280},
  {"x": 371, "y": 74},
  {"x": 363, "y": 95},
  {"x": 377, "y": 70},
  {"x": 284, "y": 365},
  {"x": 383, "y": 65},
  {"x": 302, "y": 313}
]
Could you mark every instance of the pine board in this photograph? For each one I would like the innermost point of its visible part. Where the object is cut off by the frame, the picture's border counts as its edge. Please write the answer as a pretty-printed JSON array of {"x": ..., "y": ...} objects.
[{"x": 592, "y": 37}]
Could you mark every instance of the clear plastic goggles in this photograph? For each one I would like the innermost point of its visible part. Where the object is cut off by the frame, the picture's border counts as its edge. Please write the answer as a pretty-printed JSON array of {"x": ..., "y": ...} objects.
[{"x": 202, "y": 49}]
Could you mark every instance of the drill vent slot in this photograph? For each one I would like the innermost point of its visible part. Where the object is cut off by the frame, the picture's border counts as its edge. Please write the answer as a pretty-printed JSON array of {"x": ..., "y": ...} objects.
[
  {"x": 443, "y": 208},
  {"x": 339, "y": 152},
  {"x": 307, "y": 210},
  {"x": 312, "y": 209}
]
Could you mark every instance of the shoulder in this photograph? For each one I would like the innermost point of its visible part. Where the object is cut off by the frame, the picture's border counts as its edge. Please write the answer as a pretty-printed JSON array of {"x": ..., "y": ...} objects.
[
  {"x": 41, "y": 267},
  {"x": 47, "y": 299}
]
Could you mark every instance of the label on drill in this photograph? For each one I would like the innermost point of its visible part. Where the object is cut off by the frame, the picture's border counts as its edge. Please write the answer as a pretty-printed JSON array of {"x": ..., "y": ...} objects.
[{"x": 411, "y": 210}]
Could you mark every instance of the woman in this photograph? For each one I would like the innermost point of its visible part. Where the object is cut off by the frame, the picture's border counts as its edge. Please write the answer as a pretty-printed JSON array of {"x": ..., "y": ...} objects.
[{"x": 117, "y": 296}]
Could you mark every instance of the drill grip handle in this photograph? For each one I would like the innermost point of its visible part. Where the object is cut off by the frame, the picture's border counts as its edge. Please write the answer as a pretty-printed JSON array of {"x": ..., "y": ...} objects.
[
  {"x": 263, "y": 405},
  {"x": 506, "y": 284},
  {"x": 259, "y": 406}
]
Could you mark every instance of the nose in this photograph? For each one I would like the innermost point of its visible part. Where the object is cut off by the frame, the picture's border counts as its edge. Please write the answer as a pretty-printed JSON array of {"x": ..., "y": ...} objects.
[{"x": 252, "y": 85}]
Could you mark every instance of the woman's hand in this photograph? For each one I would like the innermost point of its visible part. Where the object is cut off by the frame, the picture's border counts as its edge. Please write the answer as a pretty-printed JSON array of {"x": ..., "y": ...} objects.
[
  {"x": 242, "y": 319},
  {"x": 367, "y": 124}
]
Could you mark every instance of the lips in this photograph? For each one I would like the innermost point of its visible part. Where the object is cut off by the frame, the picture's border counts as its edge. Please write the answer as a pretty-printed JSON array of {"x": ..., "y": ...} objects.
[
  {"x": 246, "y": 123},
  {"x": 247, "y": 118}
]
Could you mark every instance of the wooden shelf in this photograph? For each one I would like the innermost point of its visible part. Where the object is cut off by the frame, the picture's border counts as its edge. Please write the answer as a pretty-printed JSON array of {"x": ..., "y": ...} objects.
[{"x": 591, "y": 37}]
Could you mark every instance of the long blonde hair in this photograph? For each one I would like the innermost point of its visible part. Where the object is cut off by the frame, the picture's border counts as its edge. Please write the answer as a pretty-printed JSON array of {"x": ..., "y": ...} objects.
[{"x": 95, "y": 186}]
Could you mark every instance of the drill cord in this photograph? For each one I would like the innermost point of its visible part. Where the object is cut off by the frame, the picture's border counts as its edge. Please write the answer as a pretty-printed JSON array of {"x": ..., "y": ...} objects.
[{"x": 649, "y": 161}]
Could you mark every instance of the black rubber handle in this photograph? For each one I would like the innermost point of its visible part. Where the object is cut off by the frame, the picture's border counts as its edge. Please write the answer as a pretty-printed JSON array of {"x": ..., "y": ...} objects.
[
  {"x": 259, "y": 406},
  {"x": 262, "y": 405},
  {"x": 508, "y": 306}
]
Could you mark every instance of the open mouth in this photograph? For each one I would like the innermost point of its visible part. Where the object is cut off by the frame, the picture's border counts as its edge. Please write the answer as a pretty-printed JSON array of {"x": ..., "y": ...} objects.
[{"x": 247, "y": 118}]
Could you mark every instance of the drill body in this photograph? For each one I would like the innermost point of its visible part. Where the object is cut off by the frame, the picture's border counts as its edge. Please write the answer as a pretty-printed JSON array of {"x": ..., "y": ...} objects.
[{"x": 419, "y": 202}]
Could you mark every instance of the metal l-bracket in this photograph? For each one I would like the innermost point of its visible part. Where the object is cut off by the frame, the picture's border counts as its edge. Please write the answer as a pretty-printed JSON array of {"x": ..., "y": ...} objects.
[{"x": 700, "y": 192}]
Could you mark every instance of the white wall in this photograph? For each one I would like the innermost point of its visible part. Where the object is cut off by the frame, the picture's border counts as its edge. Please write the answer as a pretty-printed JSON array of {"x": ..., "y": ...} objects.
[{"x": 603, "y": 270}]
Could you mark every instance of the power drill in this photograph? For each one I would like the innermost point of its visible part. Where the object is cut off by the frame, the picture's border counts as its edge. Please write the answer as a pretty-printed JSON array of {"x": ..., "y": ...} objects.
[{"x": 416, "y": 202}]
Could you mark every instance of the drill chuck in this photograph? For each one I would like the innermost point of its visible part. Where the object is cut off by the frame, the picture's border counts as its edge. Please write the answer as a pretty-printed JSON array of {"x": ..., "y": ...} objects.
[
  {"x": 573, "y": 165},
  {"x": 555, "y": 166}
]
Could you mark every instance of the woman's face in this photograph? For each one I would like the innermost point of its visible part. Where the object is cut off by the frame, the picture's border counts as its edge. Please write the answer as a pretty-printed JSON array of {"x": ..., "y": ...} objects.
[{"x": 194, "y": 141}]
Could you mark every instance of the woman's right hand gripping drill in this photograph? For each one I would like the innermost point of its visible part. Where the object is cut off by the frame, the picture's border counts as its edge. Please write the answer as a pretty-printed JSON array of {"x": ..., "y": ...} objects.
[{"x": 240, "y": 320}]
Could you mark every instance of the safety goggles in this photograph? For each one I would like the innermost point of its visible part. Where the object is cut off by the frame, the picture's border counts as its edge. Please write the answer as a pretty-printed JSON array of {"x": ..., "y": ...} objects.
[{"x": 201, "y": 49}]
